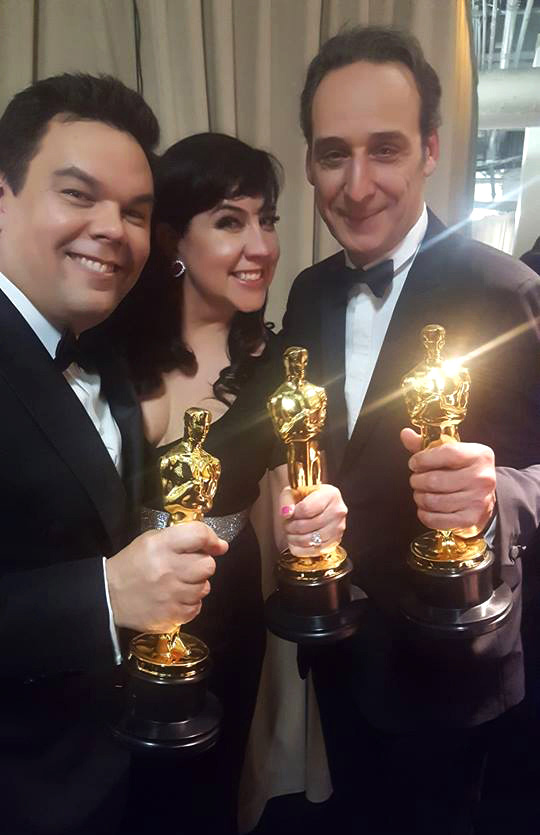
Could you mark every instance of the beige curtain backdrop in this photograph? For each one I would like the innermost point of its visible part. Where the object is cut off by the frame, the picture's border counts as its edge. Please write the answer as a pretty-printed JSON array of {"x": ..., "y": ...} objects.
[{"x": 238, "y": 66}]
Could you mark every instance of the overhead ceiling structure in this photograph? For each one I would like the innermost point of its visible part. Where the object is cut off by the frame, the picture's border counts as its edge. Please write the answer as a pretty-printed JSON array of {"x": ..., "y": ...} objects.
[
  {"x": 507, "y": 44},
  {"x": 505, "y": 33}
]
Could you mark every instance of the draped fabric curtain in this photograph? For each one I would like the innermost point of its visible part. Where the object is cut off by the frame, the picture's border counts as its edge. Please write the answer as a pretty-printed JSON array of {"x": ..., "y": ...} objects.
[
  {"x": 238, "y": 66},
  {"x": 497, "y": 230}
]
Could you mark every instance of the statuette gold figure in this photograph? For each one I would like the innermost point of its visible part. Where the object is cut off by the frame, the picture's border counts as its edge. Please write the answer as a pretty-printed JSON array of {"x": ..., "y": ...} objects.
[
  {"x": 298, "y": 412},
  {"x": 436, "y": 393},
  {"x": 189, "y": 480}
]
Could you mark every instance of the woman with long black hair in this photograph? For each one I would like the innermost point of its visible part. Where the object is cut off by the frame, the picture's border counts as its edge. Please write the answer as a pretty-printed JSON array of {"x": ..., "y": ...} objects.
[{"x": 194, "y": 333}]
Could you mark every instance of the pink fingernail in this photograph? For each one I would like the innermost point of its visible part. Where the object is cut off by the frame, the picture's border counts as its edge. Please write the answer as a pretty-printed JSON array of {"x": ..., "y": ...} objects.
[{"x": 286, "y": 510}]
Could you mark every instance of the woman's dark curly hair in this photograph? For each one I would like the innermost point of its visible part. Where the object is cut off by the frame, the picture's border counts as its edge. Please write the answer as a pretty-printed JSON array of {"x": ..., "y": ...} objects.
[{"x": 192, "y": 177}]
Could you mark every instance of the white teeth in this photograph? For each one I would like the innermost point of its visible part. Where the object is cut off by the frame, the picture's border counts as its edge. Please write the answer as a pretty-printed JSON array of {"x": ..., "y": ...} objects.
[
  {"x": 249, "y": 276},
  {"x": 95, "y": 266}
]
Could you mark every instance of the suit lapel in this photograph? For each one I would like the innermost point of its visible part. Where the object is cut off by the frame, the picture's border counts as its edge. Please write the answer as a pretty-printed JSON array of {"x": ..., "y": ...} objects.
[
  {"x": 126, "y": 411},
  {"x": 55, "y": 408},
  {"x": 333, "y": 307},
  {"x": 402, "y": 347}
]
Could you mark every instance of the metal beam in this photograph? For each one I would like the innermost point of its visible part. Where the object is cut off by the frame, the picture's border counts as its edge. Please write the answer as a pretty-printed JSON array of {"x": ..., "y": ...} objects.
[
  {"x": 522, "y": 31},
  {"x": 493, "y": 28},
  {"x": 509, "y": 99},
  {"x": 510, "y": 17}
]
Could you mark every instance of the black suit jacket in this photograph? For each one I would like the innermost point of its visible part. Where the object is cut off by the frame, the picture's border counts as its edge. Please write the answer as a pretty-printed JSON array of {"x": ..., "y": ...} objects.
[
  {"x": 63, "y": 507},
  {"x": 532, "y": 257},
  {"x": 485, "y": 300}
]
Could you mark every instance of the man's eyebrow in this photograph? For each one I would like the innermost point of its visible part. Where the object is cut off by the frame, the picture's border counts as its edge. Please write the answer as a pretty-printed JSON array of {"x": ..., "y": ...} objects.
[
  {"x": 326, "y": 142},
  {"x": 78, "y": 174},
  {"x": 143, "y": 198},
  {"x": 388, "y": 136}
]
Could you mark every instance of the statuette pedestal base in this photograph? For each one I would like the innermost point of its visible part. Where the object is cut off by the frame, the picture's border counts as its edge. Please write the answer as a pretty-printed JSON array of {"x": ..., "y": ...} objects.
[
  {"x": 168, "y": 708},
  {"x": 313, "y": 606},
  {"x": 453, "y": 594}
]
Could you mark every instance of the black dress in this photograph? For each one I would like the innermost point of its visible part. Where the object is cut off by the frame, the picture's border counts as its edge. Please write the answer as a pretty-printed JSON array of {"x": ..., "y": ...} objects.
[{"x": 231, "y": 622}]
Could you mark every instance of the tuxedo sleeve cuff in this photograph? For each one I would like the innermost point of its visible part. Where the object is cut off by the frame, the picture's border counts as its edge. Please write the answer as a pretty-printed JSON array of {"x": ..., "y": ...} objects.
[
  {"x": 490, "y": 532},
  {"x": 112, "y": 626}
]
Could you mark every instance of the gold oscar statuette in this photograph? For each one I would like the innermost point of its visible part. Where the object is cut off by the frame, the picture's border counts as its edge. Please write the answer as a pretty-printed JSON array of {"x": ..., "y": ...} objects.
[
  {"x": 189, "y": 479},
  {"x": 298, "y": 412},
  {"x": 453, "y": 590},
  {"x": 167, "y": 704},
  {"x": 313, "y": 602},
  {"x": 436, "y": 393}
]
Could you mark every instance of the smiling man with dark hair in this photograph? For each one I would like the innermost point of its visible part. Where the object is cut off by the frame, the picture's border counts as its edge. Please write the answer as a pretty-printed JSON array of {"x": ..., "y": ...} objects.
[{"x": 76, "y": 195}]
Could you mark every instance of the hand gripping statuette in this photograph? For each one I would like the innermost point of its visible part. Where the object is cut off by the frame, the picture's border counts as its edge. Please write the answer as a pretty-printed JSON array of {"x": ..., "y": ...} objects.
[
  {"x": 168, "y": 704},
  {"x": 452, "y": 571},
  {"x": 313, "y": 602}
]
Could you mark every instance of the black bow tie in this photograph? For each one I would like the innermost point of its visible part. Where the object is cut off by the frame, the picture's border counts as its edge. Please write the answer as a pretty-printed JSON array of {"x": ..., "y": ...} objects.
[
  {"x": 70, "y": 349},
  {"x": 378, "y": 278}
]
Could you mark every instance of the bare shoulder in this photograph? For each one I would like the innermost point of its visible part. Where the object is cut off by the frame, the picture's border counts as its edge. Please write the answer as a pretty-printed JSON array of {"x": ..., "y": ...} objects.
[{"x": 156, "y": 409}]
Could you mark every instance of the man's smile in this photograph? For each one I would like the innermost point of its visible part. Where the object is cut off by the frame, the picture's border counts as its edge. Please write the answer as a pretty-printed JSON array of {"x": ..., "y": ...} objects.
[{"x": 96, "y": 265}]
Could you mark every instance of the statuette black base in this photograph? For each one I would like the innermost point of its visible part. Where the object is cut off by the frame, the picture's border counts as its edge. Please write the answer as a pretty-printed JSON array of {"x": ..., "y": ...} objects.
[
  {"x": 471, "y": 622},
  {"x": 169, "y": 716},
  {"x": 463, "y": 603},
  {"x": 314, "y": 611}
]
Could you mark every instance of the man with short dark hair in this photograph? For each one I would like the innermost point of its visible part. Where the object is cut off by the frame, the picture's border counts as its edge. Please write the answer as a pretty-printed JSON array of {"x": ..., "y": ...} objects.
[
  {"x": 407, "y": 715},
  {"x": 76, "y": 196}
]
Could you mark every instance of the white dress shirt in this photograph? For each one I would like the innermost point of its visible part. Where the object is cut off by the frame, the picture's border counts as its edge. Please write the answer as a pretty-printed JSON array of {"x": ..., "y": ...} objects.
[
  {"x": 368, "y": 317},
  {"x": 87, "y": 388},
  {"x": 367, "y": 321}
]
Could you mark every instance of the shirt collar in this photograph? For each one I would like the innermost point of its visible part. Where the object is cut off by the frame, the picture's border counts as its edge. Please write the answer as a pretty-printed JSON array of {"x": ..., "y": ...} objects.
[
  {"x": 405, "y": 251},
  {"x": 46, "y": 333}
]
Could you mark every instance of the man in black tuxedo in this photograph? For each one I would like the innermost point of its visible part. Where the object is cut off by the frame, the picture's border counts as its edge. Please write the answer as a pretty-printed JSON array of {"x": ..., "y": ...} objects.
[
  {"x": 407, "y": 716},
  {"x": 532, "y": 257},
  {"x": 76, "y": 195}
]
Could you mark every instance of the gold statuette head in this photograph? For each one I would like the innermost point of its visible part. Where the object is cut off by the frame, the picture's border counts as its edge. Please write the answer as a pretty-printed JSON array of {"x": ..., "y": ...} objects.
[
  {"x": 436, "y": 391},
  {"x": 297, "y": 407}
]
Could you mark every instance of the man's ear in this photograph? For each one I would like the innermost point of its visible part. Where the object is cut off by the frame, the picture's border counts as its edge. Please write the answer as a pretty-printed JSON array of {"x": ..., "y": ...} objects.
[
  {"x": 431, "y": 153},
  {"x": 167, "y": 239},
  {"x": 309, "y": 165}
]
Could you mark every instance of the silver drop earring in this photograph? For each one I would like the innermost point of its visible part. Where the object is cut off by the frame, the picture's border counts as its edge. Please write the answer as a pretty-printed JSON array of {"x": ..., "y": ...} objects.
[{"x": 179, "y": 268}]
